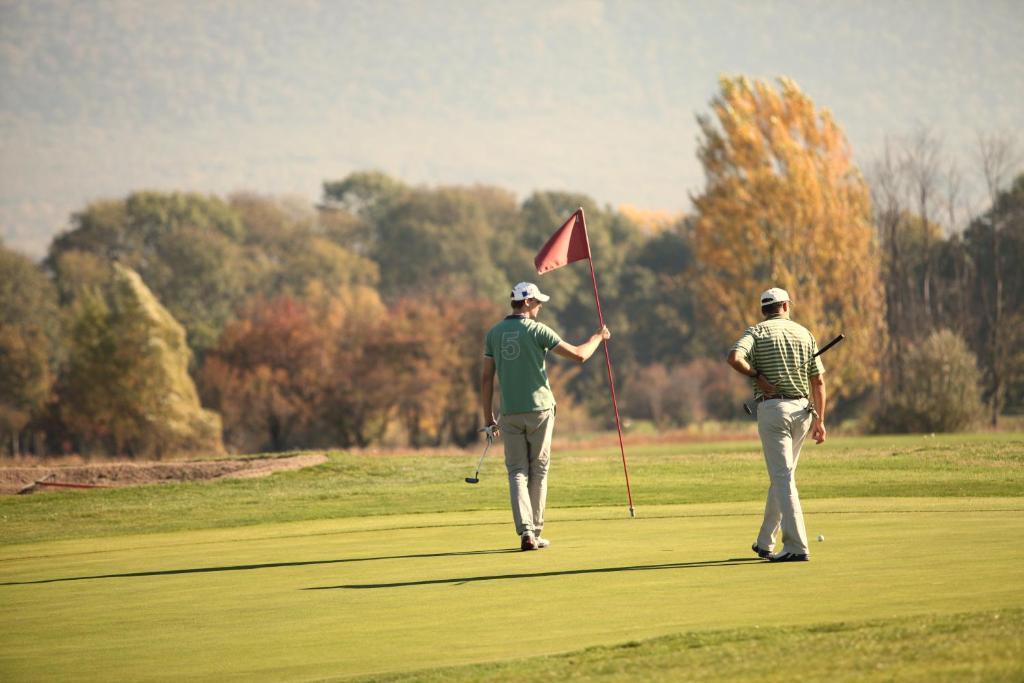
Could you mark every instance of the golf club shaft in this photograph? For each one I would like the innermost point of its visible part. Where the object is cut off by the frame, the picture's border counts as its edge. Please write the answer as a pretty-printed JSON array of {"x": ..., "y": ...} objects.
[
  {"x": 826, "y": 347},
  {"x": 480, "y": 462},
  {"x": 476, "y": 477}
]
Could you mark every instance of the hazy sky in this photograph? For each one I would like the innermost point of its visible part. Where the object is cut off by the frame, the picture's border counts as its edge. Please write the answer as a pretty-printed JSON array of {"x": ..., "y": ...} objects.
[{"x": 99, "y": 99}]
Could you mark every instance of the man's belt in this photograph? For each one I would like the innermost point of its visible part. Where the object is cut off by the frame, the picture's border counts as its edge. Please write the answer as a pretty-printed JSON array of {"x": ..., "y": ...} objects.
[{"x": 783, "y": 397}]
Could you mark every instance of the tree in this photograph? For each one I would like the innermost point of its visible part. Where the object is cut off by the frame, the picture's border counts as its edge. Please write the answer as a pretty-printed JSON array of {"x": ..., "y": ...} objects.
[
  {"x": 413, "y": 363},
  {"x": 29, "y": 338},
  {"x": 352, "y": 208},
  {"x": 432, "y": 241},
  {"x": 784, "y": 206},
  {"x": 76, "y": 271},
  {"x": 925, "y": 277},
  {"x": 358, "y": 401},
  {"x": 186, "y": 247},
  {"x": 267, "y": 376},
  {"x": 941, "y": 392},
  {"x": 363, "y": 192},
  {"x": 995, "y": 245},
  {"x": 291, "y": 248},
  {"x": 658, "y": 291},
  {"x": 958, "y": 282},
  {"x": 997, "y": 157},
  {"x": 126, "y": 388}
]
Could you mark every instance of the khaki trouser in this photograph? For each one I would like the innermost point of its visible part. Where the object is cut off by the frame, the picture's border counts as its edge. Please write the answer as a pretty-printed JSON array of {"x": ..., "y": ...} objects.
[
  {"x": 783, "y": 425},
  {"x": 527, "y": 438}
]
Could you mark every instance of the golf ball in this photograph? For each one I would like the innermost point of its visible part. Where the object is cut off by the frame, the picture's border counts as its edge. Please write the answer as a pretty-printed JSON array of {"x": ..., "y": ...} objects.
[{"x": 821, "y": 537}]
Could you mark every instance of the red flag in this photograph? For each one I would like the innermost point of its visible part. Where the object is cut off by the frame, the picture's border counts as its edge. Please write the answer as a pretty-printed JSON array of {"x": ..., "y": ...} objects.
[{"x": 568, "y": 244}]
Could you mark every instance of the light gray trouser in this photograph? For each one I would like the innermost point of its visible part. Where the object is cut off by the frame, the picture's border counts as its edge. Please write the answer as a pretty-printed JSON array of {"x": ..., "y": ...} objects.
[
  {"x": 783, "y": 425},
  {"x": 527, "y": 438}
]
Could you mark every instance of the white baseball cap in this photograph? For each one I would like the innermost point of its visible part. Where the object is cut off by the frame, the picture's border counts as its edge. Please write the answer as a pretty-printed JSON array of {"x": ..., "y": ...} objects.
[
  {"x": 528, "y": 290},
  {"x": 774, "y": 296}
]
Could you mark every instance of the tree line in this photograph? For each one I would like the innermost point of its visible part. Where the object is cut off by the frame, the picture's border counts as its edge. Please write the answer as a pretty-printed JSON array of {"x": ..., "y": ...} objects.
[{"x": 360, "y": 320}]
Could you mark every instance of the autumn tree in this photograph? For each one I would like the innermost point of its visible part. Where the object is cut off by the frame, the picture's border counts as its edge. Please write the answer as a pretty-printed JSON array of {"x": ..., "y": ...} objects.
[
  {"x": 267, "y": 376},
  {"x": 126, "y": 389},
  {"x": 289, "y": 247},
  {"x": 29, "y": 338},
  {"x": 186, "y": 247},
  {"x": 783, "y": 205},
  {"x": 75, "y": 272},
  {"x": 415, "y": 365},
  {"x": 357, "y": 399},
  {"x": 437, "y": 366}
]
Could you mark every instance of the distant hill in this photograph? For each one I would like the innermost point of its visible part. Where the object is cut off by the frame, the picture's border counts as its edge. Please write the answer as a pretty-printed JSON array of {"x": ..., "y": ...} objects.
[{"x": 99, "y": 99}]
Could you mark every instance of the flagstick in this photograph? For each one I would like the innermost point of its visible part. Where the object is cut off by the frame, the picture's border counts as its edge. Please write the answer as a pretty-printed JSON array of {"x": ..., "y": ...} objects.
[{"x": 608, "y": 364}]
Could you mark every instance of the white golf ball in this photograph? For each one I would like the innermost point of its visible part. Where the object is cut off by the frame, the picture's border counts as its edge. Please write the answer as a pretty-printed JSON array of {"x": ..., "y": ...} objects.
[{"x": 821, "y": 537}]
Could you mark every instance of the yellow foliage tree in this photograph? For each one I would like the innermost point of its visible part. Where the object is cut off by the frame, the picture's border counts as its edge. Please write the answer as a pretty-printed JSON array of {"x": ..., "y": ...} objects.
[
  {"x": 784, "y": 206},
  {"x": 650, "y": 221}
]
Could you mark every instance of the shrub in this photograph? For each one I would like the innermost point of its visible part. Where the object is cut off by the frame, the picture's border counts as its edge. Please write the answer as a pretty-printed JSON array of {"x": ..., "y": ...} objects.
[
  {"x": 941, "y": 390},
  {"x": 703, "y": 389}
]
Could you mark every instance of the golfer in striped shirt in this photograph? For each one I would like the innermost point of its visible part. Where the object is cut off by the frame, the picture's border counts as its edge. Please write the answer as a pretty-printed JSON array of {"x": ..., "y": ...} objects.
[{"x": 777, "y": 354}]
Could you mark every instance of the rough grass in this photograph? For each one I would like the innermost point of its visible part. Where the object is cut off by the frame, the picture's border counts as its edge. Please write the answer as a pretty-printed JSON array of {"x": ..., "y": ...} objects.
[
  {"x": 392, "y": 566},
  {"x": 979, "y": 646},
  {"x": 352, "y": 485}
]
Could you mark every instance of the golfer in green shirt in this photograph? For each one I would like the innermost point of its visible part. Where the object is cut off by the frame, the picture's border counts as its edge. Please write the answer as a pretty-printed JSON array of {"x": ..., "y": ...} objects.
[
  {"x": 779, "y": 356},
  {"x": 515, "y": 348}
]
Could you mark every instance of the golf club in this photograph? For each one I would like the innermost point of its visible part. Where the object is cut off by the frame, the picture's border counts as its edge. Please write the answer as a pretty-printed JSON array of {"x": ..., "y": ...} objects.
[
  {"x": 490, "y": 439},
  {"x": 826, "y": 347}
]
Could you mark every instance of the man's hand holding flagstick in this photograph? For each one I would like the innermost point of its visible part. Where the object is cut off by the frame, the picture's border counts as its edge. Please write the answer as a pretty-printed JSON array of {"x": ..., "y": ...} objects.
[{"x": 571, "y": 243}]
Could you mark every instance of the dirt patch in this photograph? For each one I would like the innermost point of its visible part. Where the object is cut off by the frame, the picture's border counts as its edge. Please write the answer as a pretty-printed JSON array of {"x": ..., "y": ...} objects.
[{"x": 118, "y": 474}]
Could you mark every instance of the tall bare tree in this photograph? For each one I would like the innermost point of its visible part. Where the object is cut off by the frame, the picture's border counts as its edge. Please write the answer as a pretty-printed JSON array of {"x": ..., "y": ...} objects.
[
  {"x": 916, "y": 195},
  {"x": 997, "y": 157},
  {"x": 923, "y": 167}
]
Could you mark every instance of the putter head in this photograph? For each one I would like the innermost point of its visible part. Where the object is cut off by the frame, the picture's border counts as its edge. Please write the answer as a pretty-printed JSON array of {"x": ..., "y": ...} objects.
[{"x": 472, "y": 480}]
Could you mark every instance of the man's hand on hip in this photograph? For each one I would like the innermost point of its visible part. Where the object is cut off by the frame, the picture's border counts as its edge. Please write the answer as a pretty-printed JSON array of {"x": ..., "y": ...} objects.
[
  {"x": 767, "y": 388},
  {"x": 818, "y": 432}
]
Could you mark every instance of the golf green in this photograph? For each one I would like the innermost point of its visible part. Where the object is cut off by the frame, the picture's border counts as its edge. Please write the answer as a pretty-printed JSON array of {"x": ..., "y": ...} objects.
[{"x": 388, "y": 594}]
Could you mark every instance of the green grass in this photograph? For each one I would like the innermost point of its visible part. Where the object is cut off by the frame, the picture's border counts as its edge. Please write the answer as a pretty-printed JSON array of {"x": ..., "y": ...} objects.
[
  {"x": 391, "y": 568},
  {"x": 359, "y": 485},
  {"x": 373, "y": 596},
  {"x": 977, "y": 646}
]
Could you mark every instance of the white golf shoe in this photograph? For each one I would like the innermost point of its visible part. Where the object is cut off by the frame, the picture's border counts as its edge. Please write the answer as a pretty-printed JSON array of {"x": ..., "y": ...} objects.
[{"x": 542, "y": 542}]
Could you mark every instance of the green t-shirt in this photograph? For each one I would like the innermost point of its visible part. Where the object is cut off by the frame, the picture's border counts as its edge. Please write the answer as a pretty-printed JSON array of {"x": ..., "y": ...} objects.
[
  {"x": 782, "y": 350},
  {"x": 518, "y": 346}
]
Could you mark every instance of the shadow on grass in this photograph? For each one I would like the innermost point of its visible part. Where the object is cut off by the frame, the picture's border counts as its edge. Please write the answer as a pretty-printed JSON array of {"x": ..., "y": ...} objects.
[
  {"x": 732, "y": 561},
  {"x": 267, "y": 565}
]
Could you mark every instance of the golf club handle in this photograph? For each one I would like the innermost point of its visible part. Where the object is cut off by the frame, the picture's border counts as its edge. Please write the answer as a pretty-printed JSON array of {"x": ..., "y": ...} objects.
[{"x": 828, "y": 346}]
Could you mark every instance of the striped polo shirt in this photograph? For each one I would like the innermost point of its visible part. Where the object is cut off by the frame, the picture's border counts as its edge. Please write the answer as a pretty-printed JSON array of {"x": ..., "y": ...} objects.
[{"x": 781, "y": 349}]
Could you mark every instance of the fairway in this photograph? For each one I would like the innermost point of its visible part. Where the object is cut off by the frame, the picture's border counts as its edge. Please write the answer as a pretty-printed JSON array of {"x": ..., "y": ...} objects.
[{"x": 387, "y": 594}]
